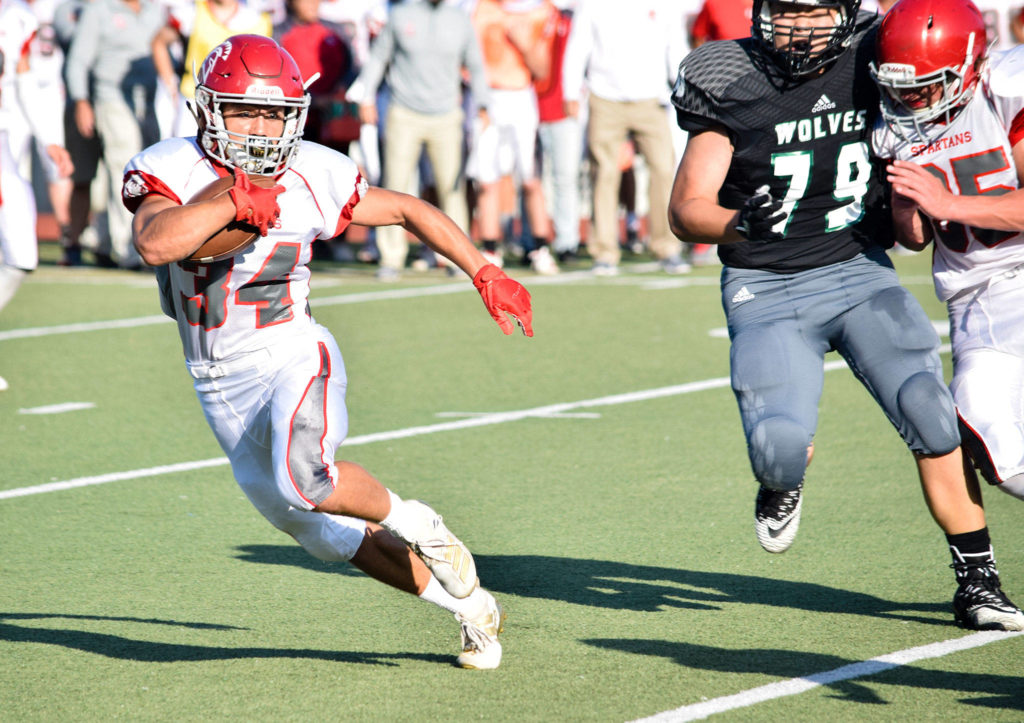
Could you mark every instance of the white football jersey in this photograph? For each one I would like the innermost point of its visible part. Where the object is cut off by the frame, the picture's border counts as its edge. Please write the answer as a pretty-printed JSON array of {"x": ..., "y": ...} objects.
[
  {"x": 258, "y": 297},
  {"x": 972, "y": 156},
  {"x": 18, "y": 27}
]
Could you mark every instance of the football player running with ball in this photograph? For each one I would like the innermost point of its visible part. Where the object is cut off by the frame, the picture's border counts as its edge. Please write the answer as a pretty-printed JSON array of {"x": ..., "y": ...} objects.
[
  {"x": 270, "y": 380},
  {"x": 953, "y": 126},
  {"x": 778, "y": 173}
]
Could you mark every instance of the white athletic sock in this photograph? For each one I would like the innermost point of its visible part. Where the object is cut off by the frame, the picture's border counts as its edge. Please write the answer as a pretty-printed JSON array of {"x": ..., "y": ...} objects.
[
  {"x": 10, "y": 279},
  {"x": 397, "y": 522},
  {"x": 471, "y": 606}
]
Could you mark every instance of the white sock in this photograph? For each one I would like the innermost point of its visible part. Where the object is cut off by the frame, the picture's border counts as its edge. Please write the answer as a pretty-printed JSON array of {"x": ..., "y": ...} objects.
[
  {"x": 396, "y": 521},
  {"x": 471, "y": 606},
  {"x": 10, "y": 279}
]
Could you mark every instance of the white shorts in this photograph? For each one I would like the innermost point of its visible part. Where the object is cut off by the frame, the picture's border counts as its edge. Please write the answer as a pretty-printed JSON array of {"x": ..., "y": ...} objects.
[
  {"x": 987, "y": 334},
  {"x": 508, "y": 145},
  {"x": 279, "y": 415},
  {"x": 17, "y": 214}
]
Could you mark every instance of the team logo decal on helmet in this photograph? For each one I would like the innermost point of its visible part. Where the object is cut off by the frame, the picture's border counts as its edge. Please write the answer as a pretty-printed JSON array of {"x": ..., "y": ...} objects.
[
  {"x": 929, "y": 56},
  {"x": 250, "y": 70},
  {"x": 799, "y": 51}
]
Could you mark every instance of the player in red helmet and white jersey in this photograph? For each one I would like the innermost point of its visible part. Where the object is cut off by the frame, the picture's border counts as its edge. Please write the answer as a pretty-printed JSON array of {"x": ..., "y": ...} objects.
[
  {"x": 271, "y": 380},
  {"x": 953, "y": 127},
  {"x": 18, "y": 87}
]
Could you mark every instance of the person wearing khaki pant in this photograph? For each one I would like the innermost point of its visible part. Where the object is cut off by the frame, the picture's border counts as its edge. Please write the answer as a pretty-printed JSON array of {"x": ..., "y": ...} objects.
[
  {"x": 610, "y": 124},
  {"x": 441, "y": 137},
  {"x": 422, "y": 52},
  {"x": 623, "y": 57}
]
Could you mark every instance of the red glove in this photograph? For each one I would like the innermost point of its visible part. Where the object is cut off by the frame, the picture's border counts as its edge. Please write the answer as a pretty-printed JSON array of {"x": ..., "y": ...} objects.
[
  {"x": 503, "y": 295},
  {"x": 254, "y": 204}
]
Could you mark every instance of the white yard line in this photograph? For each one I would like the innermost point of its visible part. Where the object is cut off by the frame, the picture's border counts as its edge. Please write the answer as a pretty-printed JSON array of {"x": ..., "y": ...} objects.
[
  {"x": 482, "y": 420},
  {"x": 361, "y": 297},
  {"x": 794, "y": 686},
  {"x": 58, "y": 408}
]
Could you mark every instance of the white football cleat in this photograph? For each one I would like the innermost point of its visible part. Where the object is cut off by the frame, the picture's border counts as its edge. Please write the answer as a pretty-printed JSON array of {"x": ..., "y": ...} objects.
[
  {"x": 543, "y": 262},
  {"x": 493, "y": 257},
  {"x": 441, "y": 551},
  {"x": 3, "y": 384},
  {"x": 480, "y": 647}
]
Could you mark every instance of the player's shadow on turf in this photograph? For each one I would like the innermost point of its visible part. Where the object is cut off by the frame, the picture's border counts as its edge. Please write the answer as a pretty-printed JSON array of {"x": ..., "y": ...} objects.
[
  {"x": 292, "y": 556},
  {"x": 148, "y": 651},
  {"x": 618, "y": 585},
  {"x": 1006, "y": 691}
]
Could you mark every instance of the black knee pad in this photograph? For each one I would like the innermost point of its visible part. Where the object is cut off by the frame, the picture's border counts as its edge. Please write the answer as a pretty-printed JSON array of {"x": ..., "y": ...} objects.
[
  {"x": 778, "y": 452},
  {"x": 929, "y": 424}
]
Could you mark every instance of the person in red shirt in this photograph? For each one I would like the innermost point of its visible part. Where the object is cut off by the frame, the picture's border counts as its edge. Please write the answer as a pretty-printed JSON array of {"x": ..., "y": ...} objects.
[
  {"x": 722, "y": 20},
  {"x": 319, "y": 48},
  {"x": 561, "y": 143}
]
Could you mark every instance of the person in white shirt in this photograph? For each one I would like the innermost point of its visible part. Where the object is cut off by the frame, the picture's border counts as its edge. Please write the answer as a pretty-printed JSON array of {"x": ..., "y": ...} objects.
[{"x": 628, "y": 54}]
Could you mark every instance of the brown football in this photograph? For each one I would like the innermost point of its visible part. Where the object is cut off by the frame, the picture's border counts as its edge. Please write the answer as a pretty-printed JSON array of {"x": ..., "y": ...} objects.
[{"x": 236, "y": 235}]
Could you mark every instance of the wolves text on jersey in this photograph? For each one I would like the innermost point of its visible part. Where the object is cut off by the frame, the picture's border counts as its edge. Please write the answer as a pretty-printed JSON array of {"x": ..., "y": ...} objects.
[{"x": 820, "y": 126}]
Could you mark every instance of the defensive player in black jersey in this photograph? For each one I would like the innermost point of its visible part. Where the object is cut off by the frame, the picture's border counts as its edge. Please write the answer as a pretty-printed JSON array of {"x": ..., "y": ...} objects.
[{"x": 777, "y": 172}]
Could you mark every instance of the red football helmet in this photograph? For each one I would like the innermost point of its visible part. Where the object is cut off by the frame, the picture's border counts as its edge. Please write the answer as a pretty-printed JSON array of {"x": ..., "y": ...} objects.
[
  {"x": 929, "y": 55},
  {"x": 253, "y": 70}
]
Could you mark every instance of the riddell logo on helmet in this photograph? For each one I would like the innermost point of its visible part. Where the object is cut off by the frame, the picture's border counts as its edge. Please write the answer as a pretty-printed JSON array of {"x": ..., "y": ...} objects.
[
  {"x": 267, "y": 91},
  {"x": 897, "y": 71}
]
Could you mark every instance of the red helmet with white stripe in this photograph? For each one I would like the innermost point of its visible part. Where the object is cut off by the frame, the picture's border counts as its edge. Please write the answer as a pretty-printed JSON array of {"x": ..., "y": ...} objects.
[
  {"x": 928, "y": 57},
  {"x": 250, "y": 70}
]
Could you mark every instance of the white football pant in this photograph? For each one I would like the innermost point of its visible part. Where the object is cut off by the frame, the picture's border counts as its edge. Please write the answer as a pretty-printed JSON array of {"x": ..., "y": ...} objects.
[
  {"x": 987, "y": 335},
  {"x": 279, "y": 415}
]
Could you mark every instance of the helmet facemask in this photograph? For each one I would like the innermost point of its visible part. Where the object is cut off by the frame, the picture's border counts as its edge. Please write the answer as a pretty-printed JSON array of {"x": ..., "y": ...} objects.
[
  {"x": 802, "y": 51},
  {"x": 259, "y": 155}
]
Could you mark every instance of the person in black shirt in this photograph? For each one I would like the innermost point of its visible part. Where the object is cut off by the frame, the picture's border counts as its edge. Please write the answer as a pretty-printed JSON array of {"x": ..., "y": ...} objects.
[{"x": 777, "y": 171}]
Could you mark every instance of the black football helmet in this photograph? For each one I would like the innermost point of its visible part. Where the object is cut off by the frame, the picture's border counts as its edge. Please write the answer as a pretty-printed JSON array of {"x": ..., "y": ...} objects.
[{"x": 800, "y": 51}]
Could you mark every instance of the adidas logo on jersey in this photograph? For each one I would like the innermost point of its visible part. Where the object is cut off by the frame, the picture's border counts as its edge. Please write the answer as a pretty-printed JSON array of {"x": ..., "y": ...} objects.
[
  {"x": 742, "y": 295},
  {"x": 823, "y": 104}
]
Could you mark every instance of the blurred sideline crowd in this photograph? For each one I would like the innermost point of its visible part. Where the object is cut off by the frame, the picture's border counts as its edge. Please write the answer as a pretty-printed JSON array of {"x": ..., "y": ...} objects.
[{"x": 542, "y": 127}]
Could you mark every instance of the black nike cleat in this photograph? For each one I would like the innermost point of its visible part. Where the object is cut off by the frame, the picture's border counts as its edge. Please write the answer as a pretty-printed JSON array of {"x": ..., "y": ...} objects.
[
  {"x": 777, "y": 517},
  {"x": 980, "y": 603}
]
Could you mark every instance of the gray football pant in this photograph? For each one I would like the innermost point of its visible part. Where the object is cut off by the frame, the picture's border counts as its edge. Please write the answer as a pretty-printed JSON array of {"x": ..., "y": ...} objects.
[{"x": 781, "y": 327}]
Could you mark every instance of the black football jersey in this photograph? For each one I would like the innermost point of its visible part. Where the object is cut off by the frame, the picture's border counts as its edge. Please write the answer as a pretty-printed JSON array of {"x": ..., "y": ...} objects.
[{"x": 809, "y": 141}]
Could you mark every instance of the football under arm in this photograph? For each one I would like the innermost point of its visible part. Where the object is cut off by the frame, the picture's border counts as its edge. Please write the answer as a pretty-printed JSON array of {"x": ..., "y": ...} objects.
[
  {"x": 164, "y": 232},
  {"x": 694, "y": 213}
]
